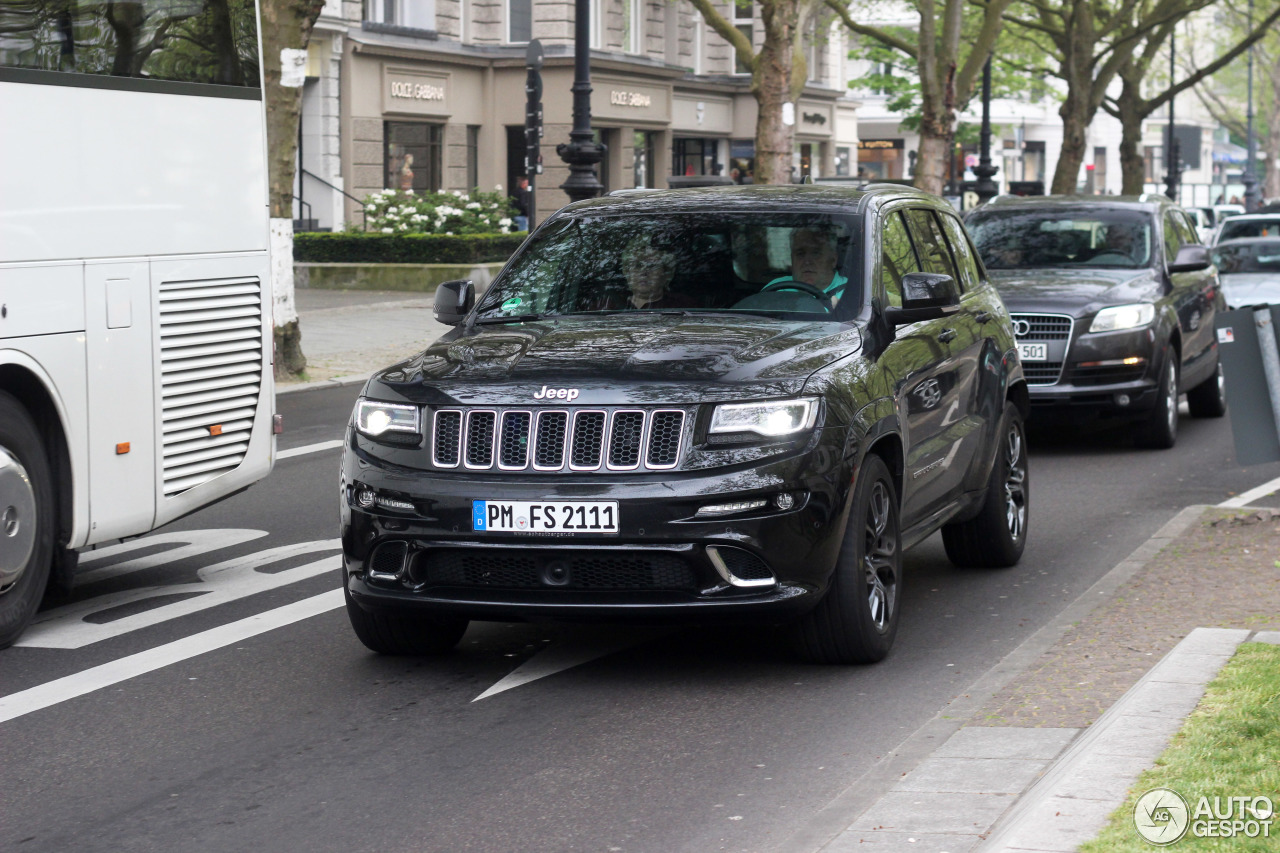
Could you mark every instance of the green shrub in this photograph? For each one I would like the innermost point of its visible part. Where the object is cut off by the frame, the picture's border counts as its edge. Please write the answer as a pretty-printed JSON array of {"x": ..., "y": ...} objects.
[{"x": 367, "y": 248}]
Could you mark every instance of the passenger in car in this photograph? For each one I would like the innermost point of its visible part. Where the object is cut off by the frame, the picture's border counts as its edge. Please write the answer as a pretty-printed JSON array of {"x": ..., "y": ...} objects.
[{"x": 648, "y": 271}]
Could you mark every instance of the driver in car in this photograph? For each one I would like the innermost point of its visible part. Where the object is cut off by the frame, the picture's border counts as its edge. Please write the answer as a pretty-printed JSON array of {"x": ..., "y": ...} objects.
[
  {"x": 1119, "y": 241},
  {"x": 813, "y": 260}
]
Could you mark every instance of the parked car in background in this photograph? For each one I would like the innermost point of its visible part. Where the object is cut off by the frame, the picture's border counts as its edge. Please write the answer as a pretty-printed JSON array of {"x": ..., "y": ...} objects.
[
  {"x": 1113, "y": 302},
  {"x": 1250, "y": 270},
  {"x": 1202, "y": 218},
  {"x": 1248, "y": 225},
  {"x": 726, "y": 403}
]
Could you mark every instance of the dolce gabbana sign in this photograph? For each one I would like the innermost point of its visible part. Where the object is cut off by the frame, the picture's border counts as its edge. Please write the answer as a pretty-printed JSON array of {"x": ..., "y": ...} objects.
[
  {"x": 623, "y": 98},
  {"x": 630, "y": 100},
  {"x": 413, "y": 92}
]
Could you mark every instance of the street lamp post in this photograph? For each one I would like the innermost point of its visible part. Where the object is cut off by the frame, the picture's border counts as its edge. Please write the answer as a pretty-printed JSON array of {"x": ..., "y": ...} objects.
[
  {"x": 985, "y": 188},
  {"x": 1172, "y": 176},
  {"x": 582, "y": 152},
  {"x": 1252, "y": 193}
]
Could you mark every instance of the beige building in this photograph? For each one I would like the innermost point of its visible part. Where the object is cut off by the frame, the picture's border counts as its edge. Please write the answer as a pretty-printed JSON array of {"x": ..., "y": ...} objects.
[{"x": 429, "y": 94}]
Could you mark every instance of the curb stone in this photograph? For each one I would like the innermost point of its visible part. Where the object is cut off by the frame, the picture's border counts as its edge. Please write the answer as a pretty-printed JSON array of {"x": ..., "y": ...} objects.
[
  {"x": 831, "y": 828},
  {"x": 337, "y": 381}
]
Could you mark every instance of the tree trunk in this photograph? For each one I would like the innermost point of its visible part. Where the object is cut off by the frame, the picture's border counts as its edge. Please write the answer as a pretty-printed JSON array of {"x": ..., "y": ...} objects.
[
  {"x": 285, "y": 24},
  {"x": 775, "y": 141},
  {"x": 1271, "y": 144},
  {"x": 1075, "y": 122},
  {"x": 931, "y": 162},
  {"x": 1132, "y": 164}
]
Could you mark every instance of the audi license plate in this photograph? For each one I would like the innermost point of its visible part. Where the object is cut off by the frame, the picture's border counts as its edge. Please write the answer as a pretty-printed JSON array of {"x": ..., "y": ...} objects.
[
  {"x": 545, "y": 516},
  {"x": 1034, "y": 352}
]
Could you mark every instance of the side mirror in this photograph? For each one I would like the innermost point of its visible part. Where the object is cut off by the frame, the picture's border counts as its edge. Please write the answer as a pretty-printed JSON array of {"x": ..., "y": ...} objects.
[
  {"x": 454, "y": 301},
  {"x": 1191, "y": 258},
  {"x": 925, "y": 296}
]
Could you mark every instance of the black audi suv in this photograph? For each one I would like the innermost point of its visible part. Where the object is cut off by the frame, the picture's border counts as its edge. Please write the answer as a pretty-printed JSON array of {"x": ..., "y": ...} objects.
[
  {"x": 1113, "y": 301},
  {"x": 737, "y": 403}
]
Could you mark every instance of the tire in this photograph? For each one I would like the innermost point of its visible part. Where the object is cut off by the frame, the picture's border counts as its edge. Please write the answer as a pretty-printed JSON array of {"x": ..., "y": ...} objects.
[
  {"x": 857, "y": 618},
  {"x": 1209, "y": 398},
  {"x": 1160, "y": 429},
  {"x": 391, "y": 633},
  {"x": 996, "y": 536},
  {"x": 27, "y": 519}
]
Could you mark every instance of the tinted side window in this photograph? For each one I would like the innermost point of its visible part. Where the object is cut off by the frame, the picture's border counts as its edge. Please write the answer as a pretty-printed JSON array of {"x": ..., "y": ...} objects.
[
  {"x": 963, "y": 253},
  {"x": 192, "y": 41},
  {"x": 1188, "y": 228},
  {"x": 896, "y": 260},
  {"x": 1172, "y": 236},
  {"x": 931, "y": 245}
]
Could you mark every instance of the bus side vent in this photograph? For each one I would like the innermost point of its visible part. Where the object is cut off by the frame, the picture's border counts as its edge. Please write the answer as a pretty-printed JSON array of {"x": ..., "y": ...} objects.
[{"x": 211, "y": 374}]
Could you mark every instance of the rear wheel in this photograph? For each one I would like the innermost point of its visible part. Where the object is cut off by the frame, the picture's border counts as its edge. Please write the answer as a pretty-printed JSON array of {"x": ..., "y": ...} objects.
[
  {"x": 1209, "y": 398},
  {"x": 995, "y": 537},
  {"x": 1160, "y": 430},
  {"x": 26, "y": 519},
  {"x": 392, "y": 633},
  {"x": 855, "y": 622}
]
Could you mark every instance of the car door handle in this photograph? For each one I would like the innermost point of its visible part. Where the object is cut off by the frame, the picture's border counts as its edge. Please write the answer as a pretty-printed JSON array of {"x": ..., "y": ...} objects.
[
  {"x": 983, "y": 316},
  {"x": 947, "y": 335}
]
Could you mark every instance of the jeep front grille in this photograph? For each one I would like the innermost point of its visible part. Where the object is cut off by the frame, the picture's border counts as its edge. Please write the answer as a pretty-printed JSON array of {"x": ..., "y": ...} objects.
[{"x": 558, "y": 439}]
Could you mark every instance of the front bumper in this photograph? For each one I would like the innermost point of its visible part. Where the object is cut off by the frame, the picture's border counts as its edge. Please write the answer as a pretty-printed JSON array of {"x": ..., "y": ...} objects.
[
  {"x": 1095, "y": 380},
  {"x": 665, "y": 563}
]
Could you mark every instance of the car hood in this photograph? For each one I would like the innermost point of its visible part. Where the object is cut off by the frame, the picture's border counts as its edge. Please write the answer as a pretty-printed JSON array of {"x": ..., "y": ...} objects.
[
  {"x": 618, "y": 359},
  {"x": 1251, "y": 288},
  {"x": 1077, "y": 292}
]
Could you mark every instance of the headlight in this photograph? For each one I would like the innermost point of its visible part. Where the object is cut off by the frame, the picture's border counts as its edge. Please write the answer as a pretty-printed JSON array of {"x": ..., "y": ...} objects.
[
  {"x": 374, "y": 418},
  {"x": 1123, "y": 317},
  {"x": 784, "y": 417}
]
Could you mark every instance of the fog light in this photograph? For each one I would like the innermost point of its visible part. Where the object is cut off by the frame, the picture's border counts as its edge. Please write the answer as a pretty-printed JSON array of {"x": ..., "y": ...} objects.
[
  {"x": 1122, "y": 399},
  {"x": 394, "y": 503},
  {"x": 730, "y": 508},
  {"x": 364, "y": 498},
  {"x": 784, "y": 501}
]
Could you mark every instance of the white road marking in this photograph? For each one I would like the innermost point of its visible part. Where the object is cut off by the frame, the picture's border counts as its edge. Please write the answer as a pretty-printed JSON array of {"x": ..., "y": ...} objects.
[
  {"x": 309, "y": 448},
  {"x": 580, "y": 647},
  {"x": 1251, "y": 495},
  {"x": 66, "y": 628},
  {"x": 192, "y": 544},
  {"x": 72, "y": 686}
]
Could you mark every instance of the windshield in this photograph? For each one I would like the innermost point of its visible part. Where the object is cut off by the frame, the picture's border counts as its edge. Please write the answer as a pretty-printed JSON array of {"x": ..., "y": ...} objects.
[
  {"x": 794, "y": 265},
  {"x": 1263, "y": 256},
  {"x": 1055, "y": 237},
  {"x": 1234, "y": 229}
]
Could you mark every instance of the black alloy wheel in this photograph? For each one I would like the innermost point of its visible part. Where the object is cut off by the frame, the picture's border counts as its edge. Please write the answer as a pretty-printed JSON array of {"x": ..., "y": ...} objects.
[
  {"x": 997, "y": 535},
  {"x": 1160, "y": 430},
  {"x": 26, "y": 519},
  {"x": 1209, "y": 398},
  {"x": 857, "y": 619}
]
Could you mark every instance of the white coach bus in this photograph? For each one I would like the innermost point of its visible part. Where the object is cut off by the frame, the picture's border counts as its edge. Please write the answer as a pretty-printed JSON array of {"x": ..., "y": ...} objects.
[{"x": 135, "y": 313}]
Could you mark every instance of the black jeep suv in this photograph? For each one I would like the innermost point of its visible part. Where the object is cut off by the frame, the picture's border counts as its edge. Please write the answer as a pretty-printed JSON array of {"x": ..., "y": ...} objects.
[
  {"x": 1113, "y": 301},
  {"x": 729, "y": 403}
]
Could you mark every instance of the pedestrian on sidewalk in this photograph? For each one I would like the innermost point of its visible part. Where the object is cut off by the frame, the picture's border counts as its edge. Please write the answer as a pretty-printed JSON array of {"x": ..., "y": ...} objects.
[{"x": 521, "y": 198}]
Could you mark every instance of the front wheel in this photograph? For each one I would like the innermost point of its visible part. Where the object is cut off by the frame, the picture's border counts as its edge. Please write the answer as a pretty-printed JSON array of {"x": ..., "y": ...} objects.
[
  {"x": 392, "y": 633},
  {"x": 1160, "y": 431},
  {"x": 26, "y": 519},
  {"x": 996, "y": 536},
  {"x": 1209, "y": 398},
  {"x": 857, "y": 619}
]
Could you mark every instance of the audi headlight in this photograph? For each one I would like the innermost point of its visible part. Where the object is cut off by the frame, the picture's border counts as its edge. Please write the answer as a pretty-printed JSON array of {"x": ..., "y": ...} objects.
[
  {"x": 1123, "y": 317},
  {"x": 374, "y": 418},
  {"x": 770, "y": 420}
]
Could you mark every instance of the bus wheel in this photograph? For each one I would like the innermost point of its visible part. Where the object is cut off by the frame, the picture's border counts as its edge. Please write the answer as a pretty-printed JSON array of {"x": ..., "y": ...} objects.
[{"x": 26, "y": 519}]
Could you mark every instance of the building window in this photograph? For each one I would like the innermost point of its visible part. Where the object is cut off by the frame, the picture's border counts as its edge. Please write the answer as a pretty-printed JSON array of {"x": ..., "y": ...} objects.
[
  {"x": 699, "y": 40},
  {"x": 473, "y": 157},
  {"x": 633, "y": 26},
  {"x": 1153, "y": 163},
  {"x": 744, "y": 22},
  {"x": 843, "y": 162},
  {"x": 413, "y": 155},
  {"x": 415, "y": 14},
  {"x": 519, "y": 21},
  {"x": 694, "y": 156},
  {"x": 596, "y": 24},
  {"x": 644, "y": 159},
  {"x": 814, "y": 55}
]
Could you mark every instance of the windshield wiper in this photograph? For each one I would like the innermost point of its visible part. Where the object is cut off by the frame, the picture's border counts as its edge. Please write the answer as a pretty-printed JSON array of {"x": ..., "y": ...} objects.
[{"x": 516, "y": 318}]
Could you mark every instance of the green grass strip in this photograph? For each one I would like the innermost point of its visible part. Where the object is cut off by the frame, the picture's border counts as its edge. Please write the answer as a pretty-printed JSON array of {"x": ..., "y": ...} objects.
[{"x": 1229, "y": 747}]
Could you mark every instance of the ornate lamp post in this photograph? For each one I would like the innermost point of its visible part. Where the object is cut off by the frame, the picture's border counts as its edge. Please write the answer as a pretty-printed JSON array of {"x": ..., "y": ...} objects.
[
  {"x": 1252, "y": 192},
  {"x": 1173, "y": 176},
  {"x": 582, "y": 152},
  {"x": 986, "y": 188}
]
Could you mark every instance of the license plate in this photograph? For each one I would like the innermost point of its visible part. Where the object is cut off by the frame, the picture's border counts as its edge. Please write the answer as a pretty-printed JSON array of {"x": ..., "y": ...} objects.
[
  {"x": 1034, "y": 352},
  {"x": 545, "y": 516}
]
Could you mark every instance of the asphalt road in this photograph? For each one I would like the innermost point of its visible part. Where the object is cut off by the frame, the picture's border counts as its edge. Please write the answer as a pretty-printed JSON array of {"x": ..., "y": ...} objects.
[{"x": 161, "y": 714}]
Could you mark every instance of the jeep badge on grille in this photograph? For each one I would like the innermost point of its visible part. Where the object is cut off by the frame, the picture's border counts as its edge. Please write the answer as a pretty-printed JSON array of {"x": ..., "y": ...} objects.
[{"x": 556, "y": 394}]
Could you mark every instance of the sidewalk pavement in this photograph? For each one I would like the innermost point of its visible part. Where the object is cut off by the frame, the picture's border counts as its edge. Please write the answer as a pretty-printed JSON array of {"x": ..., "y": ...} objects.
[{"x": 1046, "y": 744}]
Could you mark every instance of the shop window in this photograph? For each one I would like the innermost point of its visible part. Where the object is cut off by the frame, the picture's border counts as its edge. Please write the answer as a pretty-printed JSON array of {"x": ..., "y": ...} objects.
[
  {"x": 473, "y": 157},
  {"x": 413, "y": 156},
  {"x": 519, "y": 21},
  {"x": 643, "y": 171},
  {"x": 843, "y": 161},
  {"x": 742, "y": 160},
  {"x": 744, "y": 22},
  {"x": 414, "y": 14},
  {"x": 694, "y": 157}
]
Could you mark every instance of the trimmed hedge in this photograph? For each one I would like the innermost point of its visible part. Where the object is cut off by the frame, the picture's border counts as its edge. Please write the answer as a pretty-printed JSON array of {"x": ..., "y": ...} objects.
[{"x": 364, "y": 248}]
